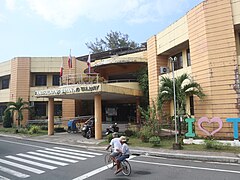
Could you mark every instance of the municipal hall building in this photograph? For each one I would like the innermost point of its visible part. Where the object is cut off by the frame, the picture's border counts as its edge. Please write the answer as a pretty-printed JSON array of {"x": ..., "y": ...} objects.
[{"x": 206, "y": 42}]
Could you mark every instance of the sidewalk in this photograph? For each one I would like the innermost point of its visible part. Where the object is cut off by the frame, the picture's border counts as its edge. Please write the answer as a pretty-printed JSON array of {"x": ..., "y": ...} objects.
[{"x": 77, "y": 140}]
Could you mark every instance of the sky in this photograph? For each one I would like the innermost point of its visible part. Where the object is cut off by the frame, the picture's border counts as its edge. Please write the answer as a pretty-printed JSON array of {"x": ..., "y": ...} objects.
[{"x": 49, "y": 28}]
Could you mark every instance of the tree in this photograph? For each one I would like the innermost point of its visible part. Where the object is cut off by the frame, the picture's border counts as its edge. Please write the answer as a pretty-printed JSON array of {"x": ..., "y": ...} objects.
[
  {"x": 142, "y": 78},
  {"x": 184, "y": 86},
  {"x": 113, "y": 40},
  {"x": 7, "y": 121},
  {"x": 17, "y": 108}
]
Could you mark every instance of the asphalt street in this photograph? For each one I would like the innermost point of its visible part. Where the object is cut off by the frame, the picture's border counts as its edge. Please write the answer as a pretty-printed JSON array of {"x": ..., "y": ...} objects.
[{"x": 24, "y": 159}]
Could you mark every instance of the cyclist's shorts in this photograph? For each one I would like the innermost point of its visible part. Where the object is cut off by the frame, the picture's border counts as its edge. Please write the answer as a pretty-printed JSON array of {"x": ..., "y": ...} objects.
[
  {"x": 123, "y": 157},
  {"x": 114, "y": 154}
]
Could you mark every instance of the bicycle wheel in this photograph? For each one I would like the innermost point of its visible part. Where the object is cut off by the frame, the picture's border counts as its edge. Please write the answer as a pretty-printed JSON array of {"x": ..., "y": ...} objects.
[
  {"x": 126, "y": 168},
  {"x": 108, "y": 161}
]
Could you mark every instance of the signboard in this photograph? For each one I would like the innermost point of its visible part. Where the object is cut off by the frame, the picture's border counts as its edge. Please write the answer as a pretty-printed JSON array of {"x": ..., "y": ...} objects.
[{"x": 86, "y": 88}]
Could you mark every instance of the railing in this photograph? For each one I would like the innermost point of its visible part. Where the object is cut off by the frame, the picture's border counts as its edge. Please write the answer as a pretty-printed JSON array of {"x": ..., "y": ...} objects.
[
  {"x": 90, "y": 78},
  {"x": 122, "y": 80}
]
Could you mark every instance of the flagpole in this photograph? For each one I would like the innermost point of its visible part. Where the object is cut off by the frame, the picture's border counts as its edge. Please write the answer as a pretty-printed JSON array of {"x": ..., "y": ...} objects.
[{"x": 69, "y": 64}]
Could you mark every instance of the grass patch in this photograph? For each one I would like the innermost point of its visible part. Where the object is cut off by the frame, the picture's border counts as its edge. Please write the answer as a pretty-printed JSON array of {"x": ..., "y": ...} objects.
[
  {"x": 23, "y": 131},
  {"x": 167, "y": 143}
]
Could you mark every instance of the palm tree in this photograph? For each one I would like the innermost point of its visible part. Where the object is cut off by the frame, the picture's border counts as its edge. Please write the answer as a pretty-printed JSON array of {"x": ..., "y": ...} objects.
[
  {"x": 184, "y": 86},
  {"x": 17, "y": 108}
]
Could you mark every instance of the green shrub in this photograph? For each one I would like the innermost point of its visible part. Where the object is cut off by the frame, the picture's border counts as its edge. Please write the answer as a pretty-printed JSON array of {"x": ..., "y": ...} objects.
[
  {"x": 109, "y": 137},
  {"x": 129, "y": 132},
  {"x": 145, "y": 133},
  {"x": 7, "y": 121},
  {"x": 22, "y": 130},
  {"x": 154, "y": 140},
  {"x": 44, "y": 127},
  {"x": 213, "y": 144},
  {"x": 34, "y": 130}
]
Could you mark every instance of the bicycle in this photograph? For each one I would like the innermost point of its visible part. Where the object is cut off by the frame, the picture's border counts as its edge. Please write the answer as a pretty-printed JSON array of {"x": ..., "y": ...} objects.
[
  {"x": 108, "y": 160},
  {"x": 125, "y": 165}
]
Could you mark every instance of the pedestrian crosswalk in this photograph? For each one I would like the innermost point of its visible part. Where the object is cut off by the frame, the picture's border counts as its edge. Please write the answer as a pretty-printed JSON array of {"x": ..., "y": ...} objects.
[{"x": 21, "y": 165}]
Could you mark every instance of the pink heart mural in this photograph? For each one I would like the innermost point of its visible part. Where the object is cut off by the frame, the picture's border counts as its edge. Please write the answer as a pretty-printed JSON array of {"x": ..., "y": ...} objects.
[{"x": 214, "y": 119}]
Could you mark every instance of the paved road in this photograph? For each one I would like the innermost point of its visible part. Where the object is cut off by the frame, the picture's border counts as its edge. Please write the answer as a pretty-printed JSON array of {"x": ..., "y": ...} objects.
[{"x": 20, "y": 159}]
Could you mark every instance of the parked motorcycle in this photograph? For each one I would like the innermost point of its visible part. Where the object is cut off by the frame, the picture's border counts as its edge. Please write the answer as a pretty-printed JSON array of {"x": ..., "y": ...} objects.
[
  {"x": 112, "y": 128},
  {"x": 88, "y": 128}
]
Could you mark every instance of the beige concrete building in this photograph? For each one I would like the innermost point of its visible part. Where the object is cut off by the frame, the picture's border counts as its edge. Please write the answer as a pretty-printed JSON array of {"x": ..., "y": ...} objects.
[
  {"x": 206, "y": 42},
  {"x": 110, "y": 91},
  {"x": 22, "y": 76}
]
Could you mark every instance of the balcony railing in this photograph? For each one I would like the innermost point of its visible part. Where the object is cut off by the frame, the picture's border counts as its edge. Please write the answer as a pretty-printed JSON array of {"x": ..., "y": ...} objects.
[{"x": 90, "y": 78}]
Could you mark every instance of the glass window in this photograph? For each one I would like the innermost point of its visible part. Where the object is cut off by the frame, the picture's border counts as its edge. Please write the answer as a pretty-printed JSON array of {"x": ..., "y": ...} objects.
[
  {"x": 55, "y": 80},
  {"x": 41, "y": 80},
  {"x": 188, "y": 58},
  {"x": 5, "y": 83},
  {"x": 57, "y": 109},
  {"x": 191, "y": 105},
  {"x": 178, "y": 64},
  {"x": 40, "y": 109}
]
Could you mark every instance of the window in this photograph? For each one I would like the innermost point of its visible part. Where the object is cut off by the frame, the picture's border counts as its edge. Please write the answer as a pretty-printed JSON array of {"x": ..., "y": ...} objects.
[
  {"x": 55, "y": 80},
  {"x": 40, "y": 109},
  {"x": 178, "y": 64},
  {"x": 57, "y": 109},
  {"x": 188, "y": 58},
  {"x": 191, "y": 105},
  {"x": 5, "y": 83},
  {"x": 41, "y": 80}
]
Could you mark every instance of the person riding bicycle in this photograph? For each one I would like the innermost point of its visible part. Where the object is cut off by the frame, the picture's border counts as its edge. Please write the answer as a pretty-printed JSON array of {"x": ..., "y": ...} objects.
[
  {"x": 116, "y": 145},
  {"x": 124, "y": 153}
]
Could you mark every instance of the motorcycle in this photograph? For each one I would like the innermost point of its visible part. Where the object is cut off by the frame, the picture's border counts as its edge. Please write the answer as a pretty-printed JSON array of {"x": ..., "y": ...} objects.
[
  {"x": 88, "y": 128},
  {"x": 112, "y": 128}
]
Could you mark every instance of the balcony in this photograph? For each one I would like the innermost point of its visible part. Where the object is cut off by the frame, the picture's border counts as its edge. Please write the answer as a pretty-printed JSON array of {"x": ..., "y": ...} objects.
[
  {"x": 95, "y": 78},
  {"x": 91, "y": 78}
]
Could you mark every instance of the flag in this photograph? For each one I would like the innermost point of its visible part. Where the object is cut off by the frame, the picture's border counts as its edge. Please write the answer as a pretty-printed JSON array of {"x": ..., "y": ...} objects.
[
  {"x": 70, "y": 60},
  {"x": 61, "y": 70},
  {"x": 89, "y": 63}
]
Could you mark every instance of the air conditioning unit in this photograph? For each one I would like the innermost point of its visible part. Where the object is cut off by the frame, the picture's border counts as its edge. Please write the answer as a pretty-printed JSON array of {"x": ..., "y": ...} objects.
[{"x": 163, "y": 70}]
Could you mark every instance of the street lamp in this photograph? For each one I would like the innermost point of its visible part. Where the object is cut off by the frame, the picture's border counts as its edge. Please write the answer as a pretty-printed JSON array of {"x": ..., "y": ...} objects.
[{"x": 172, "y": 60}]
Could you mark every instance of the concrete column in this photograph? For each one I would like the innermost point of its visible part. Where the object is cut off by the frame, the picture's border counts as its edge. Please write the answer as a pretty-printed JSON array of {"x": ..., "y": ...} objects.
[
  {"x": 50, "y": 116},
  {"x": 138, "y": 115},
  {"x": 98, "y": 116}
]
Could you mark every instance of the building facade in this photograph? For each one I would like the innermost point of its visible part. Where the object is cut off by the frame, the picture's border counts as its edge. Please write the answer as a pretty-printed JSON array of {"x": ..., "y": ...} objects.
[
  {"x": 206, "y": 44},
  {"x": 22, "y": 76}
]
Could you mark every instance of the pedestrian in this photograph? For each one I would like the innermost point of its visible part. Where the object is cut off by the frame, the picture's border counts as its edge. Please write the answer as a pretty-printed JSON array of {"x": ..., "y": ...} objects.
[
  {"x": 124, "y": 153},
  {"x": 115, "y": 145}
]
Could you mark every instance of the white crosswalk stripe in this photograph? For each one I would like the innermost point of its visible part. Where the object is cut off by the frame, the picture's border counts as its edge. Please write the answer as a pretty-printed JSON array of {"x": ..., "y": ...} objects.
[
  {"x": 42, "y": 159},
  {"x": 74, "y": 150},
  {"x": 53, "y": 157},
  {"x": 20, "y": 166},
  {"x": 57, "y": 155},
  {"x": 31, "y": 162},
  {"x": 12, "y": 172},
  {"x": 3, "y": 178},
  {"x": 72, "y": 153},
  {"x": 62, "y": 155}
]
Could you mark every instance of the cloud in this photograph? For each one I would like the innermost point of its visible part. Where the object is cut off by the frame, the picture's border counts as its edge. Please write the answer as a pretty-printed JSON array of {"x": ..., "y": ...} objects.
[
  {"x": 64, "y": 13},
  {"x": 10, "y": 4}
]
